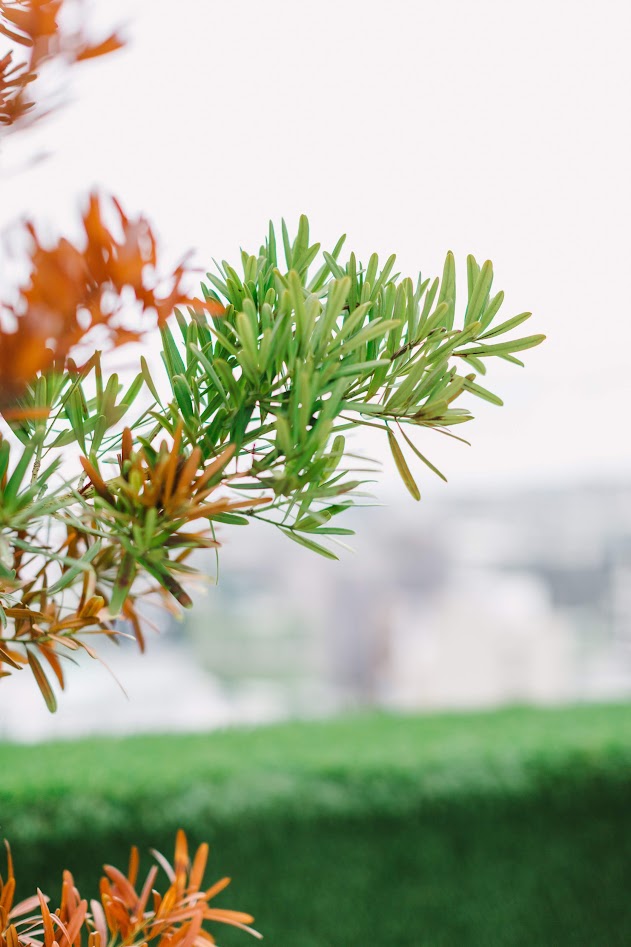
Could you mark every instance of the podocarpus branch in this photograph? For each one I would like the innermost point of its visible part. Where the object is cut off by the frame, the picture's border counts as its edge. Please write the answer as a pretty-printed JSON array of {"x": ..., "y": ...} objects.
[{"x": 265, "y": 376}]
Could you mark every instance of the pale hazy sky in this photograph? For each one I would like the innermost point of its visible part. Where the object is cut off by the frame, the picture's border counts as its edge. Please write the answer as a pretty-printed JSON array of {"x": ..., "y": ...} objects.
[{"x": 495, "y": 128}]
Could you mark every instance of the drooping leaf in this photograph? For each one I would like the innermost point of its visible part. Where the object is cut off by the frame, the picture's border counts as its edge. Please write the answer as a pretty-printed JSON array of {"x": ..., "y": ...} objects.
[
  {"x": 42, "y": 681},
  {"x": 402, "y": 467}
]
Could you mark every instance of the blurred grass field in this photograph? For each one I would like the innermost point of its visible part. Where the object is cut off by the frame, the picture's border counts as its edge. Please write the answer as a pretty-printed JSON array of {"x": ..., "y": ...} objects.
[{"x": 501, "y": 828}]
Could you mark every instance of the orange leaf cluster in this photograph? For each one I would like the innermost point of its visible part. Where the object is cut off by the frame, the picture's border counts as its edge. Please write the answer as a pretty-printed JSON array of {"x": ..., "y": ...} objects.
[
  {"x": 168, "y": 481},
  {"x": 42, "y": 629},
  {"x": 71, "y": 290},
  {"x": 166, "y": 489},
  {"x": 14, "y": 102},
  {"x": 123, "y": 915},
  {"x": 35, "y": 24},
  {"x": 144, "y": 510},
  {"x": 42, "y": 632}
]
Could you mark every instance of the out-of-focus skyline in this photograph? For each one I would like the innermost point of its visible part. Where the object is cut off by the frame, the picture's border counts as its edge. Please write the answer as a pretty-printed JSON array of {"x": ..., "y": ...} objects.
[
  {"x": 412, "y": 128},
  {"x": 475, "y": 601}
]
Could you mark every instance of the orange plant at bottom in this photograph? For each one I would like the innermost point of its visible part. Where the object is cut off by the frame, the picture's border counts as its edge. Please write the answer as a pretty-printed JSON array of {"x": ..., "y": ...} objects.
[{"x": 122, "y": 916}]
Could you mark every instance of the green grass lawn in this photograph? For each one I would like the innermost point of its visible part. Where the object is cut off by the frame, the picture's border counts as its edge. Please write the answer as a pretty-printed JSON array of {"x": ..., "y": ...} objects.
[{"x": 506, "y": 828}]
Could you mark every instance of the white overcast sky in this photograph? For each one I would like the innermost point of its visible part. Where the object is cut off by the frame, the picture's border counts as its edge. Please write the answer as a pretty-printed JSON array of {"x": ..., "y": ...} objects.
[{"x": 495, "y": 128}]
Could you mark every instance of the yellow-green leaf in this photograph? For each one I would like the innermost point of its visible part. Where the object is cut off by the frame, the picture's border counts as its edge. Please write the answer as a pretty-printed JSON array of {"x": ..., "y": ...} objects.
[{"x": 402, "y": 467}]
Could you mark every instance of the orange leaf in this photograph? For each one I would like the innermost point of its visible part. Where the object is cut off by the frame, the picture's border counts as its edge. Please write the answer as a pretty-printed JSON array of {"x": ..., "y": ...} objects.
[
  {"x": 49, "y": 931},
  {"x": 123, "y": 888},
  {"x": 11, "y": 936},
  {"x": 108, "y": 45},
  {"x": 146, "y": 890},
  {"x": 97, "y": 481},
  {"x": 216, "y": 888},
  {"x": 76, "y": 923},
  {"x": 132, "y": 870},
  {"x": 198, "y": 868},
  {"x": 54, "y": 662},
  {"x": 6, "y": 658}
]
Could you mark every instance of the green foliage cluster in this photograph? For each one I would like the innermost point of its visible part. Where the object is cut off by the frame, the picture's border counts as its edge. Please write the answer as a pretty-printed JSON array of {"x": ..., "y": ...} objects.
[
  {"x": 261, "y": 394},
  {"x": 298, "y": 360}
]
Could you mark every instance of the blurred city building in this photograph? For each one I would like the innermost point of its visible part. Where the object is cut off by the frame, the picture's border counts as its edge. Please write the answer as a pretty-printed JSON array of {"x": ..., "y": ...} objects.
[
  {"x": 467, "y": 601},
  {"x": 478, "y": 600}
]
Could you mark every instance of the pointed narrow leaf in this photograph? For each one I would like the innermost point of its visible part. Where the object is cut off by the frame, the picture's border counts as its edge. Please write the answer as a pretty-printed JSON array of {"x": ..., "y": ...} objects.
[
  {"x": 422, "y": 457},
  {"x": 402, "y": 467},
  {"x": 42, "y": 681},
  {"x": 309, "y": 544}
]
